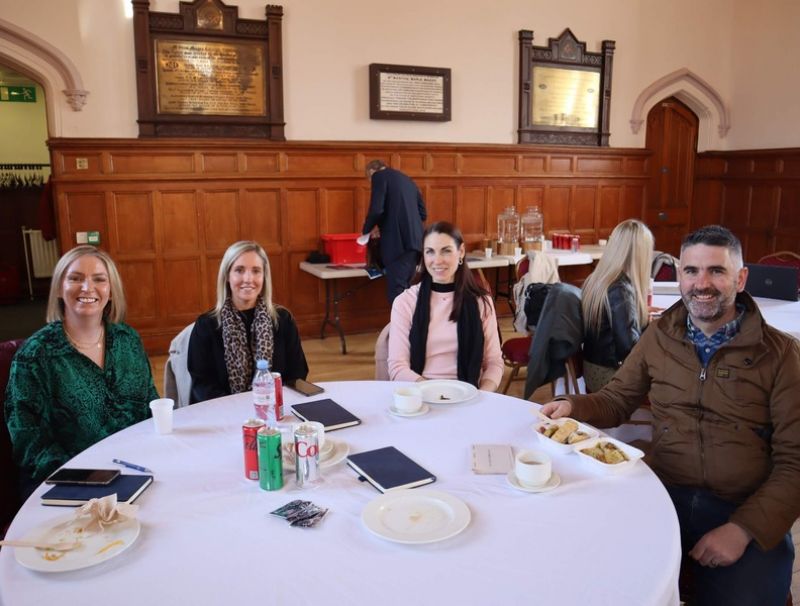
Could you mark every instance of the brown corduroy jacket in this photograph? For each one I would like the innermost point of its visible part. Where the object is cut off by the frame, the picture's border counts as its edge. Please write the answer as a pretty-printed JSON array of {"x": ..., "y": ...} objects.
[{"x": 732, "y": 428}]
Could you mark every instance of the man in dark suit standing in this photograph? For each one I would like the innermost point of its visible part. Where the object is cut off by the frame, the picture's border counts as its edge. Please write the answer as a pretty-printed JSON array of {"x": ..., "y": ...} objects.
[{"x": 397, "y": 210}]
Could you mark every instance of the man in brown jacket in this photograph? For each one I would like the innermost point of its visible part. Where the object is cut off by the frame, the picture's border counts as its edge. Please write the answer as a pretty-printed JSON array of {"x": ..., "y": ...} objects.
[{"x": 724, "y": 389}]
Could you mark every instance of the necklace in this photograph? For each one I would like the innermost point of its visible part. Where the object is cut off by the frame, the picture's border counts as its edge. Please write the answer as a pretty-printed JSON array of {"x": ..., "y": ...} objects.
[{"x": 98, "y": 343}]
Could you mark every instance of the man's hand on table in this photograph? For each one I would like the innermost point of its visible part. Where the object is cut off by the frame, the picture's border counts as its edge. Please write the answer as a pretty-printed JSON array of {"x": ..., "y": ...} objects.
[
  {"x": 722, "y": 546},
  {"x": 557, "y": 409}
]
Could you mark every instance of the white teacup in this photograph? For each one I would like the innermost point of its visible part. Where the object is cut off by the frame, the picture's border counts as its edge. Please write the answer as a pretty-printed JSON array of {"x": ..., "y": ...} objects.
[
  {"x": 162, "y": 414},
  {"x": 533, "y": 468},
  {"x": 407, "y": 399}
]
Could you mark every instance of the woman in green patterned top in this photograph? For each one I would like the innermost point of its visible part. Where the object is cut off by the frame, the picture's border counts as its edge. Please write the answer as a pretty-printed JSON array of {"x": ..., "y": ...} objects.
[{"x": 83, "y": 376}]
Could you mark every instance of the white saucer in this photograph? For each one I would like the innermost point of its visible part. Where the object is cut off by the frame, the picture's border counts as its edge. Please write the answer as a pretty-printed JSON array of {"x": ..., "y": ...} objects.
[
  {"x": 552, "y": 483},
  {"x": 423, "y": 410}
]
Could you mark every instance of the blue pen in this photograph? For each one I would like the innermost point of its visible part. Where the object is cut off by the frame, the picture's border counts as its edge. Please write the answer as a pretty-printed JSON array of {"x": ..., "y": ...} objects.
[{"x": 131, "y": 465}]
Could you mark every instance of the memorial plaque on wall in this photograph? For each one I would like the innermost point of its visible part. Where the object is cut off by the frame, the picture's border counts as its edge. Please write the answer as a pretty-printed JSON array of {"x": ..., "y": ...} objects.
[
  {"x": 206, "y": 72},
  {"x": 409, "y": 92},
  {"x": 564, "y": 91}
]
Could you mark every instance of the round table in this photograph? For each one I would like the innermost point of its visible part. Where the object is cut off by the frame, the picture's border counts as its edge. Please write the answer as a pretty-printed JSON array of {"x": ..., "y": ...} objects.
[{"x": 207, "y": 536}]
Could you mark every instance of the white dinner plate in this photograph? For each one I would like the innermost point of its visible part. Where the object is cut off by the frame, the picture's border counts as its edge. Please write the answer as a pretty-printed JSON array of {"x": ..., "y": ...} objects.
[
  {"x": 424, "y": 409},
  {"x": 416, "y": 516},
  {"x": 444, "y": 391},
  {"x": 553, "y": 482},
  {"x": 329, "y": 458},
  {"x": 94, "y": 548}
]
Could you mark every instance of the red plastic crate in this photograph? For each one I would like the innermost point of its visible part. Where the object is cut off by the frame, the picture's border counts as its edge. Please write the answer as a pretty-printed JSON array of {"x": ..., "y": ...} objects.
[{"x": 343, "y": 248}]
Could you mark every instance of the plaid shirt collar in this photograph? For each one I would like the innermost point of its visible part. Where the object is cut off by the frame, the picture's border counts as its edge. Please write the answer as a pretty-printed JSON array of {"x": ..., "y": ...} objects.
[{"x": 705, "y": 346}]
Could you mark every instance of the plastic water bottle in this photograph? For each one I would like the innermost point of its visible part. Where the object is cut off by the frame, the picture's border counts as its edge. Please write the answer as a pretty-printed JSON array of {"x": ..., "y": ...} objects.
[{"x": 264, "y": 394}]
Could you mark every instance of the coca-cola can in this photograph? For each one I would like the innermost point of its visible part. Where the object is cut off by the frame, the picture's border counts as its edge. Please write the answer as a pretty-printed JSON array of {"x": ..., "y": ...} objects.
[
  {"x": 250, "y": 440},
  {"x": 278, "y": 395},
  {"x": 306, "y": 454}
]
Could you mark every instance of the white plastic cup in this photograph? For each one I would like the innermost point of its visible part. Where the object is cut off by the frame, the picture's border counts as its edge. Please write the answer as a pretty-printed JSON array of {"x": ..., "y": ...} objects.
[
  {"x": 407, "y": 399},
  {"x": 488, "y": 252},
  {"x": 602, "y": 242},
  {"x": 162, "y": 414},
  {"x": 533, "y": 468},
  {"x": 518, "y": 251}
]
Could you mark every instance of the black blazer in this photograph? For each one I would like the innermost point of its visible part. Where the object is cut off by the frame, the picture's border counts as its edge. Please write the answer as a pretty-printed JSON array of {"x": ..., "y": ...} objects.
[
  {"x": 397, "y": 208},
  {"x": 206, "y": 356}
]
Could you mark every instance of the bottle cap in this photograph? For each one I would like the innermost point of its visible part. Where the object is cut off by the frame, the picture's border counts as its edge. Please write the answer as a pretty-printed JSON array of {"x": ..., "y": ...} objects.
[{"x": 262, "y": 365}]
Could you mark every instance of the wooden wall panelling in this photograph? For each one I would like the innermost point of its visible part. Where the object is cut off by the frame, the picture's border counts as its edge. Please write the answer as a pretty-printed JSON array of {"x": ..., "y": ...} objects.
[
  {"x": 168, "y": 209},
  {"x": 786, "y": 234}
]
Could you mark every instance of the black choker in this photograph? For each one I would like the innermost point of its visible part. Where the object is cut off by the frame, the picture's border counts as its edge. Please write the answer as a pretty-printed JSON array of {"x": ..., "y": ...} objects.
[{"x": 435, "y": 287}]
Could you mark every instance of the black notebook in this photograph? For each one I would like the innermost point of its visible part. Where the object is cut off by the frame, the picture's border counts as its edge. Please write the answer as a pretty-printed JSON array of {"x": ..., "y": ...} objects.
[
  {"x": 388, "y": 468},
  {"x": 329, "y": 413},
  {"x": 127, "y": 487}
]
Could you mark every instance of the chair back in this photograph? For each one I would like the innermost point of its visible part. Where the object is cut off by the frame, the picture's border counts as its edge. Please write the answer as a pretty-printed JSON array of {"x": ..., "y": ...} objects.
[
  {"x": 558, "y": 336},
  {"x": 177, "y": 380},
  {"x": 9, "y": 477},
  {"x": 382, "y": 355}
]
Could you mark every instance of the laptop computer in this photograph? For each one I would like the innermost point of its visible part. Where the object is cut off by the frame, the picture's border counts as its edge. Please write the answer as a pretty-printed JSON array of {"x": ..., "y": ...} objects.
[{"x": 772, "y": 281}]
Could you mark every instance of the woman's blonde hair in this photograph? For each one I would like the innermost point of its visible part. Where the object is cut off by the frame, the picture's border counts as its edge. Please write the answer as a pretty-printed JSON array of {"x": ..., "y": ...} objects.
[
  {"x": 234, "y": 251},
  {"x": 114, "y": 310},
  {"x": 629, "y": 252}
]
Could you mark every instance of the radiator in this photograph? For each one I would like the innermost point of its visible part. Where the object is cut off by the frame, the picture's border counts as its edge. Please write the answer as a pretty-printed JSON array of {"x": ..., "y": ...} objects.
[{"x": 43, "y": 254}]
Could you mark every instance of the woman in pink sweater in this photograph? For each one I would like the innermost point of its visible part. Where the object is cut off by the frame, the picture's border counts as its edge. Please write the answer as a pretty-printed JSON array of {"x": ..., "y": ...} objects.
[{"x": 444, "y": 326}]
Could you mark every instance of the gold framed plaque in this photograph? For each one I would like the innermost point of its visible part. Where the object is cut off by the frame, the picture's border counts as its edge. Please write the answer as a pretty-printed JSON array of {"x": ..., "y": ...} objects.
[
  {"x": 210, "y": 78},
  {"x": 565, "y": 97},
  {"x": 205, "y": 72},
  {"x": 565, "y": 91}
]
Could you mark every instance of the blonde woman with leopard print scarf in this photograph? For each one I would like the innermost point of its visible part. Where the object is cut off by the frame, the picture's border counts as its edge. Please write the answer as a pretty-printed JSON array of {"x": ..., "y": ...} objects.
[{"x": 245, "y": 326}]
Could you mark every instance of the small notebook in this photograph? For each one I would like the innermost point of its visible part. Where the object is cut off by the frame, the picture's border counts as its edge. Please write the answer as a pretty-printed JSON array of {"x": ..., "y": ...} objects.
[
  {"x": 329, "y": 413},
  {"x": 388, "y": 468},
  {"x": 127, "y": 487}
]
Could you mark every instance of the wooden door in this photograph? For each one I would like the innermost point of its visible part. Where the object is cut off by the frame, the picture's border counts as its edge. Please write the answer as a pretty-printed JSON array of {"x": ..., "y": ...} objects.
[{"x": 672, "y": 137}]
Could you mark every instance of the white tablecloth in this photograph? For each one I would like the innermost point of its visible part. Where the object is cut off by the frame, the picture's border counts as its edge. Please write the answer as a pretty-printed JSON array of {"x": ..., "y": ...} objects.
[{"x": 207, "y": 537}]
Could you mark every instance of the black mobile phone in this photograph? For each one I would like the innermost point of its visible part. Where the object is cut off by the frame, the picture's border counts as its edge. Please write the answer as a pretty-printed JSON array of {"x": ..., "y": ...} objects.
[
  {"x": 94, "y": 477},
  {"x": 306, "y": 388}
]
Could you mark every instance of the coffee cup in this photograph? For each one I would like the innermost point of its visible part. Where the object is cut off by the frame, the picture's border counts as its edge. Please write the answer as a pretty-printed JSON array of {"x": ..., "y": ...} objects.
[
  {"x": 162, "y": 414},
  {"x": 533, "y": 468},
  {"x": 488, "y": 252},
  {"x": 407, "y": 399}
]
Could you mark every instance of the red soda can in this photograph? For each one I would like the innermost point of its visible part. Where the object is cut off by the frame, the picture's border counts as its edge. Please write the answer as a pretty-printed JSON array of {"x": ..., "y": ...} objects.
[
  {"x": 278, "y": 395},
  {"x": 559, "y": 241},
  {"x": 250, "y": 440}
]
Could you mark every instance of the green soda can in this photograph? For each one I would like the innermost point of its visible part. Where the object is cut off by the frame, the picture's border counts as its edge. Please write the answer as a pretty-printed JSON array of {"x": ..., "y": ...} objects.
[{"x": 270, "y": 460}]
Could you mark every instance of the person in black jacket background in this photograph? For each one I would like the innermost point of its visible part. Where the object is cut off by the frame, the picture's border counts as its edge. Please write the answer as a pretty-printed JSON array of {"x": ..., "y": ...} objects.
[
  {"x": 245, "y": 326},
  {"x": 614, "y": 302},
  {"x": 397, "y": 210}
]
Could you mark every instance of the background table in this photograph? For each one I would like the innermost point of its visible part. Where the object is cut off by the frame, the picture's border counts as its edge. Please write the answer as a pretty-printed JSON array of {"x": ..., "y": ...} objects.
[
  {"x": 207, "y": 537},
  {"x": 331, "y": 274}
]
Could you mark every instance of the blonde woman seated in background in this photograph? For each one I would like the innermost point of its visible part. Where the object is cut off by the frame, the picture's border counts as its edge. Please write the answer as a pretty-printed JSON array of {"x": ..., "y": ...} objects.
[
  {"x": 614, "y": 302},
  {"x": 245, "y": 326},
  {"x": 83, "y": 376},
  {"x": 444, "y": 326}
]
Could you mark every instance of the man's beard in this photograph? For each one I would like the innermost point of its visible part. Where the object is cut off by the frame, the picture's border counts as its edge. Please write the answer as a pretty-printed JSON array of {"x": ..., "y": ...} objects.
[{"x": 706, "y": 311}]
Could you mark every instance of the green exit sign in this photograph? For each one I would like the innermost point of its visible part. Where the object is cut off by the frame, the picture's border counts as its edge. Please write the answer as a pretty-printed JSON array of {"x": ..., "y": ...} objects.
[{"x": 18, "y": 94}]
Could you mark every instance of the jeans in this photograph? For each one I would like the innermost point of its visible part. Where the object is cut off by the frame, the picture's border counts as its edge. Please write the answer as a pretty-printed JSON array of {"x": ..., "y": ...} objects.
[{"x": 758, "y": 578}]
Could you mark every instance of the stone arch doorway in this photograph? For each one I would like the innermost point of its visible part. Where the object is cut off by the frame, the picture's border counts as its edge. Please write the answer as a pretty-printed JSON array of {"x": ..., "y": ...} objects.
[{"x": 672, "y": 132}]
